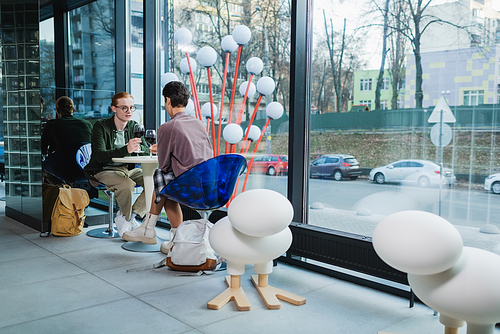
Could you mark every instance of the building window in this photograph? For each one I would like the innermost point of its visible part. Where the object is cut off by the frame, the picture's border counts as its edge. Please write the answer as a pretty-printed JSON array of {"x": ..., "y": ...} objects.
[
  {"x": 384, "y": 104},
  {"x": 367, "y": 103},
  {"x": 473, "y": 97},
  {"x": 385, "y": 84},
  {"x": 365, "y": 84}
]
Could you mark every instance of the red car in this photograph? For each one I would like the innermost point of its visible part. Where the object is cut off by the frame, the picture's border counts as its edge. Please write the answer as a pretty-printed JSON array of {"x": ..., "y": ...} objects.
[{"x": 271, "y": 164}]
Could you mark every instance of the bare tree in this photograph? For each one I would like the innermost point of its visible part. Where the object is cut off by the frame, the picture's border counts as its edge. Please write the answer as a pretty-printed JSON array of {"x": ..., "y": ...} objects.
[{"x": 384, "y": 54}]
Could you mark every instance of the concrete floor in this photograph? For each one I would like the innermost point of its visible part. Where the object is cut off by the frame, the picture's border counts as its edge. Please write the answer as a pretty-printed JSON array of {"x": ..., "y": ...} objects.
[{"x": 81, "y": 285}]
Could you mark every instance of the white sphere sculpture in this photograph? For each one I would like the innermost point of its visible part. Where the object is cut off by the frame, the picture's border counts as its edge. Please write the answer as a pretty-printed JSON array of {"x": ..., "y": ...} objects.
[
  {"x": 183, "y": 36},
  {"x": 206, "y": 111},
  {"x": 251, "y": 90},
  {"x": 190, "y": 108},
  {"x": 273, "y": 215},
  {"x": 274, "y": 110},
  {"x": 254, "y": 65},
  {"x": 254, "y": 133},
  {"x": 232, "y": 133},
  {"x": 168, "y": 77},
  {"x": 403, "y": 240},
  {"x": 265, "y": 86},
  {"x": 228, "y": 44},
  {"x": 207, "y": 56},
  {"x": 239, "y": 248},
  {"x": 242, "y": 34},
  {"x": 185, "y": 67}
]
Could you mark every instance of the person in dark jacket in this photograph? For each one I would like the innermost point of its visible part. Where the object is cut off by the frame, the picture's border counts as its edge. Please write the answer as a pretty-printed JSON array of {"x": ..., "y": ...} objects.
[
  {"x": 65, "y": 129},
  {"x": 114, "y": 138}
]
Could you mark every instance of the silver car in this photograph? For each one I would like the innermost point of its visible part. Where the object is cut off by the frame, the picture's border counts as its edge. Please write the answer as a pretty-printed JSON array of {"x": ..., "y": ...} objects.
[{"x": 414, "y": 172}]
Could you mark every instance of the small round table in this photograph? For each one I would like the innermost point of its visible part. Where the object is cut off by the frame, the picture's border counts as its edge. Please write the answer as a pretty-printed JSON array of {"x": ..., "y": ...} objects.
[{"x": 148, "y": 165}]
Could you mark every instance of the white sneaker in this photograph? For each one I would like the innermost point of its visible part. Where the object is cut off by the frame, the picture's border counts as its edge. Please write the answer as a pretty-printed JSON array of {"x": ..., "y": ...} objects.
[{"x": 121, "y": 223}]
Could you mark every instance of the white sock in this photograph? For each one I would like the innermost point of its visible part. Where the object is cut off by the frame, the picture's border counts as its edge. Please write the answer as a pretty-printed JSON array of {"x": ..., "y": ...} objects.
[{"x": 132, "y": 216}]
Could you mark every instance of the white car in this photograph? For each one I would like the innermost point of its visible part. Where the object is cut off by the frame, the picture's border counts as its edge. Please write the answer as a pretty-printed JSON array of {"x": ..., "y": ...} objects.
[
  {"x": 492, "y": 183},
  {"x": 419, "y": 172}
]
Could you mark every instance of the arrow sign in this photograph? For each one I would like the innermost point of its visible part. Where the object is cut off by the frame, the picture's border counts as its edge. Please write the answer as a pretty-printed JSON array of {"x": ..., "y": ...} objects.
[{"x": 442, "y": 107}]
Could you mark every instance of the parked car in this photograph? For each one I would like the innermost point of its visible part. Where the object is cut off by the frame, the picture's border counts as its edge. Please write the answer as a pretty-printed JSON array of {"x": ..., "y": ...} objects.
[
  {"x": 420, "y": 172},
  {"x": 492, "y": 183},
  {"x": 271, "y": 164},
  {"x": 338, "y": 166}
]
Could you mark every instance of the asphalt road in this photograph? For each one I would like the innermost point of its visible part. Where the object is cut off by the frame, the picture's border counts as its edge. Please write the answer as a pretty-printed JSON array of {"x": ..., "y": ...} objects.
[{"x": 473, "y": 208}]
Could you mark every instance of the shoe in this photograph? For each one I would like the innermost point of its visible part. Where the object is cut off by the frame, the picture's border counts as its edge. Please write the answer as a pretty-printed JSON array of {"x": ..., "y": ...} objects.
[
  {"x": 166, "y": 245},
  {"x": 121, "y": 223},
  {"x": 145, "y": 233},
  {"x": 134, "y": 224}
]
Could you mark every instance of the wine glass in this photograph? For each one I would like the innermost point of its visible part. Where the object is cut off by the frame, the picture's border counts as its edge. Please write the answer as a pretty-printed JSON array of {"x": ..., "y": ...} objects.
[
  {"x": 138, "y": 133},
  {"x": 150, "y": 137}
]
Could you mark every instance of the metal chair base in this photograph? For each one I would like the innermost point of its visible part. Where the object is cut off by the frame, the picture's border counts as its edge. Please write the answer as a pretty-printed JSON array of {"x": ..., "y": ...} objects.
[
  {"x": 103, "y": 232},
  {"x": 140, "y": 247}
]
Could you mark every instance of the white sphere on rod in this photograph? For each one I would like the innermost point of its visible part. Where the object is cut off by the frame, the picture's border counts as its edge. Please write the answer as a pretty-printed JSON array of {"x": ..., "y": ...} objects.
[
  {"x": 274, "y": 110},
  {"x": 254, "y": 133},
  {"x": 232, "y": 133},
  {"x": 168, "y": 77},
  {"x": 185, "y": 67},
  {"x": 183, "y": 36},
  {"x": 265, "y": 85},
  {"x": 255, "y": 65},
  {"x": 207, "y": 56},
  {"x": 190, "y": 108},
  {"x": 242, "y": 34},
  {"x": 228, "y": 44},
  {"x": 206, "y": 111},
  {"x": 251, "y": 90}
]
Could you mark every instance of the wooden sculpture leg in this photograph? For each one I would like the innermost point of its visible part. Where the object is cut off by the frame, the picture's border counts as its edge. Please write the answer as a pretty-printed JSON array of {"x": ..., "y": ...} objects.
[
  {"x": 271, "y": 294},
  {"x": 233, "y": 292},
  {"x": 450, "y": 330}
]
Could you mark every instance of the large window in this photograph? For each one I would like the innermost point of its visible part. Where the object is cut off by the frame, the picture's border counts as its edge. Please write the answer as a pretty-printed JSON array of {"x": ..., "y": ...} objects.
[
  {"x": 443, "y": 65},
  {"x": 91, "y": 50},
  {"x": 269, "y": 25}
]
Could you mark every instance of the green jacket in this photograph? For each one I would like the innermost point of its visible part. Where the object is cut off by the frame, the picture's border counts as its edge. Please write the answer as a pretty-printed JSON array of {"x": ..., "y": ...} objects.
[{"x": 103, "y": 137}]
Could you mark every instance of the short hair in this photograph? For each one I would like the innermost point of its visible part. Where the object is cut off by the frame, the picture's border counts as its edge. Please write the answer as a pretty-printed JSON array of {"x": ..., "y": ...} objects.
[
  {"x": 177, "y": 92},
  {"x": 120, "y": 95},
  {"x": 64, "y": 105}
]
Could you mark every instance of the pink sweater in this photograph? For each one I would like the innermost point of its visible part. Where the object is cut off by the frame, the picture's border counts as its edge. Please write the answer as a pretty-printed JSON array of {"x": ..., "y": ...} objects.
[{"x": 183, "y": 143}]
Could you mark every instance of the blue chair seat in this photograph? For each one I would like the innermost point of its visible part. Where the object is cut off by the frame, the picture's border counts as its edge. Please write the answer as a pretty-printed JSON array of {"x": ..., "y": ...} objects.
[{"x": 208, "y": 185}]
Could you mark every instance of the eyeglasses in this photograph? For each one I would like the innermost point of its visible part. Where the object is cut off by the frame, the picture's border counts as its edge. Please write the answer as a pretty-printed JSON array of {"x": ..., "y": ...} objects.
[{"x": 126, "y": 108}]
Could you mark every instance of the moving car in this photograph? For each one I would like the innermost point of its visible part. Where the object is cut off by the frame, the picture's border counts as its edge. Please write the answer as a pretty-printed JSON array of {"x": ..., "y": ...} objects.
[
  {"x": 338, "y": 166},
  {"x": 492, "y": 183},
  {"x": 271, "y": 164},
  {"x": 420, "y": 172}
]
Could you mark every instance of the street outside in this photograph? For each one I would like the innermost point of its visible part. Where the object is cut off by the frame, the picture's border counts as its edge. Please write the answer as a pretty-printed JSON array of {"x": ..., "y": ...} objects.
[{"x": 356, "y": 206}]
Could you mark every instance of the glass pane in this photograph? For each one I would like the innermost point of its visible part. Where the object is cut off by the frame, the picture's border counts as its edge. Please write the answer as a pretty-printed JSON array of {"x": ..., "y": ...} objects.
[
  {"x": 92, "y": 60},
  {"x": 269, "y": 25},
  {"x": 452, "y": 71}
]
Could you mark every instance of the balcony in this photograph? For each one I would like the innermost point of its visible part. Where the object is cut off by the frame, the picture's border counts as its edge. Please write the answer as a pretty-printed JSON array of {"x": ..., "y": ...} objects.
[{"x": 78, "y": 62}]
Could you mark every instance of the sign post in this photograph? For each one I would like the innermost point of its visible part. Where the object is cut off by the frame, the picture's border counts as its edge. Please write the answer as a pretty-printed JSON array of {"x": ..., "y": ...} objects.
[{"x": 441, "y": 133}]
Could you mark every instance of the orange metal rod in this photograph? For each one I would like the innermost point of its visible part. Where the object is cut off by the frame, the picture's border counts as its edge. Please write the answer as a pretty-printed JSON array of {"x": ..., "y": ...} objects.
[
  {"x": 251, "y": 121},
  {"x": 222, "y": 101},
  {"x": 193, "y": 87},
  {"x": 255, "y": 151},
  {"x": 235, "y": 80},
  {"x": 211, "y": 109}
]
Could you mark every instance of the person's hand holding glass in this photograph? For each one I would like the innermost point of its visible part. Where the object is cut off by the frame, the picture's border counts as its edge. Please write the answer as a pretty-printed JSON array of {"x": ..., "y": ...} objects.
[
  {"x": 138, "y": 133},
  {"x": 150, "y": 137}
]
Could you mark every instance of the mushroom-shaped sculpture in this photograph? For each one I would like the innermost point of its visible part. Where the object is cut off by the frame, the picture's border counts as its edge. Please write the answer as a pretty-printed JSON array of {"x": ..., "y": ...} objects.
[
  {"x": 248, "y": 235},
  {"x": 461, "y": 283}
]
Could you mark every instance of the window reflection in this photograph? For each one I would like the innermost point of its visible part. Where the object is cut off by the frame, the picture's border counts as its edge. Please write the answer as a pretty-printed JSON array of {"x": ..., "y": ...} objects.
[
  {"x": 455, "y": 65},
  {"x": 91, "y": 51}
]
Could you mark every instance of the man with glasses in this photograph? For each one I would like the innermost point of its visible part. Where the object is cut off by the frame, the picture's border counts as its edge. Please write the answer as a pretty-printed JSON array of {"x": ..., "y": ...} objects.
[{"x": 114, "y": 138}]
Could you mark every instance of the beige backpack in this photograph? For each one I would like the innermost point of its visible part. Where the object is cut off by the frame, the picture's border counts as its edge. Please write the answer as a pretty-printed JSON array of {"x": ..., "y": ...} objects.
[{"x": 68, "y": 214}]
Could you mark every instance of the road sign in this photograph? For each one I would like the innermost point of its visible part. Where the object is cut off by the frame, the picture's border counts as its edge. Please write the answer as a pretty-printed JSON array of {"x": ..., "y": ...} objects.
[
  {"x": 446, "y": 132},
  {"x": 442, "y": 107}
]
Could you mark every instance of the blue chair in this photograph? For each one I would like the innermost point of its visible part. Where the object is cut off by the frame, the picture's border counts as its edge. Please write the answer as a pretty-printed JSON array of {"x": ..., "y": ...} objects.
[
  {"x": 208, "y": 185},
  {"x": 82, "y": 158}
]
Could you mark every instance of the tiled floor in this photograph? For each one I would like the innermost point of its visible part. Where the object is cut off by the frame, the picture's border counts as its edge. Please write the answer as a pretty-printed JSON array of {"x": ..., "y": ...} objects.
[{"x": 81, "y": 285}]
